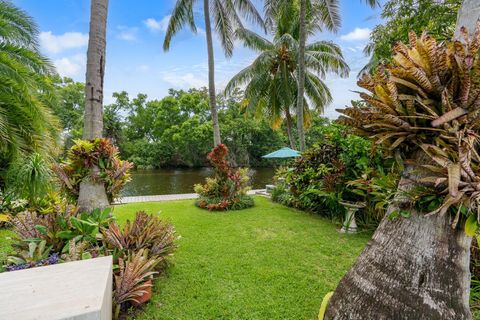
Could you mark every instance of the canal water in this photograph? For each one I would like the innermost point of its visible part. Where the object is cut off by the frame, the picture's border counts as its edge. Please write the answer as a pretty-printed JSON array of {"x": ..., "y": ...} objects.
[{"x": 173, "y": 181}]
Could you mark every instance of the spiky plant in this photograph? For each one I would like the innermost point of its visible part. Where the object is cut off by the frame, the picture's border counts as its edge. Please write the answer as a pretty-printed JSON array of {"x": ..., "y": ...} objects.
[
  {"x": 129, "y": 281},
  {"x": 427, "y": 104},
  {"x": 144, "y": 232}
]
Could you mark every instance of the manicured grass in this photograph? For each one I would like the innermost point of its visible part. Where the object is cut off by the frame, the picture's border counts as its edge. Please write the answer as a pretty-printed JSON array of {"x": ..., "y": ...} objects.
[
  {"x": 5, "y": 246},
  {"x": 266, "y": 262}
]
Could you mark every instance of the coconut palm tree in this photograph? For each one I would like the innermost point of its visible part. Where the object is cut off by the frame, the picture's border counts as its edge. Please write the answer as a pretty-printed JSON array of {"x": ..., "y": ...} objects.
[
  {"x": 271, "y": 80},
  {"x": 92, "y": 195},
  {"x": 328, "y": 17},
  {"x": 27, "y": 123},
  {"x": 226, "y": 19}
]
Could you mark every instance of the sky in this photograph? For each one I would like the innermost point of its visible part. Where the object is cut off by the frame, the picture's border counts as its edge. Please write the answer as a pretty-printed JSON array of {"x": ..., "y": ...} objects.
[{"x": 136, "y": 62}]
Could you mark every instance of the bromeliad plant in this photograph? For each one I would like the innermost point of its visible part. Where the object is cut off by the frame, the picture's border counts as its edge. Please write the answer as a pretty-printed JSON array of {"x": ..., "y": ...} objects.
[
  {"x": 95, "y": 160},
  {"x": 227, "y": 190},
  {"x": 145, "y": 232},
  {"x": 426, "y": 104},
  {"x": 131, "y": 281},
  {"x": 140, "y": 249}
]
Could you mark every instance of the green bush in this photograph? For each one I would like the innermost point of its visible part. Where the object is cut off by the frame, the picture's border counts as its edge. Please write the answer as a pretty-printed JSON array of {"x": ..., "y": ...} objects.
[
  {"x": 227, "y": 190},
  {"x": 339, "y": 167}
]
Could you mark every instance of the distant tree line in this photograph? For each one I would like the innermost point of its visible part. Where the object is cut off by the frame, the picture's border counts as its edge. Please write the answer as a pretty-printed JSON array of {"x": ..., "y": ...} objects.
[{"x": 175, "y": 131}]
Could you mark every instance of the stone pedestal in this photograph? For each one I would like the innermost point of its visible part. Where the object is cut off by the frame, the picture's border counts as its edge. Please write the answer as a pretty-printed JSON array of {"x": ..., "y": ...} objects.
[
  {"x": 80, "y": 290},
  {"x": 349, "y": 224}
]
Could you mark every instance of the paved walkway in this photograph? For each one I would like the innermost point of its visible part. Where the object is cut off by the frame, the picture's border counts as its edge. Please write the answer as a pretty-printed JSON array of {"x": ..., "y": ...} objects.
[{"x": 168, "y": 197}]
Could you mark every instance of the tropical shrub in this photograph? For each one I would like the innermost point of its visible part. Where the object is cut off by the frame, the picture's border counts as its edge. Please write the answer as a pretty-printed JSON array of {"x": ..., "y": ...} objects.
[
  {"x": 424, "y": 108},
  {"x": 95, "y": 160},
  {"x": 325, "y": 174},
  {"x": 140, "y": 249},
  {"x": 31, "y": 253},
  {"x": 227, "y": 190},
  {"x": 31, "y": 178},
  {"x": 61, "y": 226},
  {"x": 10, "y": 206}
]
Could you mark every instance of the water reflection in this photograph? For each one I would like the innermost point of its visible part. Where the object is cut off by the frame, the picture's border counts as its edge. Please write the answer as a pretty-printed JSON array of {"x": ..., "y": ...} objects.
[{"x": 172, "y": 181}]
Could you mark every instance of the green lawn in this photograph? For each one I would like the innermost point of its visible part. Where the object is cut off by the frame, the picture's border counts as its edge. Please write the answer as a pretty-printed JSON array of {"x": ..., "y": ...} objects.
[
  {"x": 5, "y": 246},
  {"x": 267, "y": 262}
]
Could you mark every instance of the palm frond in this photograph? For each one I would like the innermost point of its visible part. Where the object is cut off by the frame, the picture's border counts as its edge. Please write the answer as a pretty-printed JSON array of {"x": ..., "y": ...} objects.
[{"x": 182, "y": 15}]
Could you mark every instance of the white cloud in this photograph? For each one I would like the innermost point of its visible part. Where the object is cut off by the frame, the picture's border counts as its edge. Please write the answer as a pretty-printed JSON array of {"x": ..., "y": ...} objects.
[
  {"x": 57, "y": 43},
  {"x": 72, "y": 66},
  {"x": 143, "y": 68},
  {"x": 357, "y": 34},
  {"x": 127, "y": 34},
  {"x": 185, "y": 81},
  {"x": 157, "y": 25},
  {"x": 201, "y": 31}
]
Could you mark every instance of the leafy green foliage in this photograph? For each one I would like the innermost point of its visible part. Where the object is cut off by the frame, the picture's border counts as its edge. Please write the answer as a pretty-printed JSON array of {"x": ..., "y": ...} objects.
[
  {"x": 140, "y": 250},
  {"x": 403, "y": 16},
  {"x": 341, "y": 166},
  {"x": 29, "y": 253},
  {"x": 32, "y": 178},
  {"x": 95, "y": 160},
  {"x": 27, "y": 123},
  {"x": 272, "y": 78},
  {"x": 226, "y": 16},
  {"x": 227, "y": 190}
]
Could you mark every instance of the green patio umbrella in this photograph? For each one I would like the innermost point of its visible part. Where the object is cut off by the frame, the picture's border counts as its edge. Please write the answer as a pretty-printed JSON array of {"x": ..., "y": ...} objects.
[{"x": 283, "y": 153}]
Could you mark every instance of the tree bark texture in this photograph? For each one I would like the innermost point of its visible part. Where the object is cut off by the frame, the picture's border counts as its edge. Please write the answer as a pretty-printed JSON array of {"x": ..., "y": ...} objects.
[
  {"x": 92, "y": 194},
  {"x": 93, "y": 126},
  {"x": 412, "y": 268},
  {"x": 467, "y": 17},
  {"x": 289, "y": 120},
  {"x": 301, "y": 76},
  {"x": 211, "y": 75}
]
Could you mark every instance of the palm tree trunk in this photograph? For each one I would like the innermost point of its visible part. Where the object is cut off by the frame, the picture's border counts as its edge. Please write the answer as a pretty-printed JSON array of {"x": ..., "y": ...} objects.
[
  {"x": 288, "y": 117},
  {"x": 211, "y": 75},
  {"x": 415, "y": 268},
  {"x": 92, "y": 195},
  {"x": 301, "y": 76},
  {"x": 467, "y": 17}
]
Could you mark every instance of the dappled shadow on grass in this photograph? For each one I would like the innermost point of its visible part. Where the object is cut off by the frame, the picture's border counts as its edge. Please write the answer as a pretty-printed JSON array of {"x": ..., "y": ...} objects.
[{"x": 265, "y": 262}]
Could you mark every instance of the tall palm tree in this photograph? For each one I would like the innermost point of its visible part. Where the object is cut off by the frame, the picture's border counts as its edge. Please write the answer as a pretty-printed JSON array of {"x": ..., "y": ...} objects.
[
  {"x": 271, "y": 80},
  {"x": 27, "y": 123},
  {"x": 92, "y": 194},
  {"x": 328, "y": 17},
  {"x": 226, "y": 16}
]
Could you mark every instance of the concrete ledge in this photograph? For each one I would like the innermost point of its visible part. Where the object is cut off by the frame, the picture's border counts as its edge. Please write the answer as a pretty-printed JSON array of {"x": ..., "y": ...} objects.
[{"x": 80, "y": 290}]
